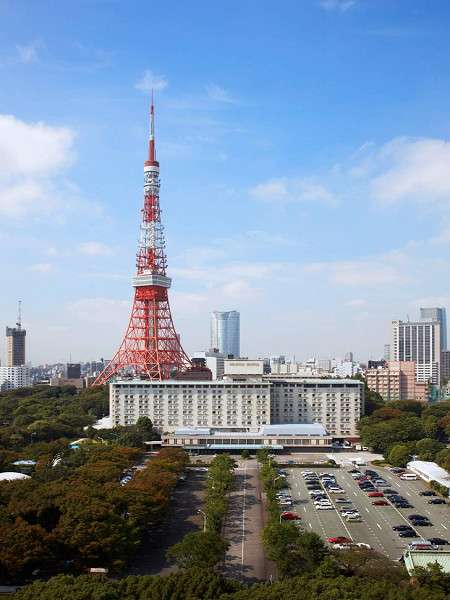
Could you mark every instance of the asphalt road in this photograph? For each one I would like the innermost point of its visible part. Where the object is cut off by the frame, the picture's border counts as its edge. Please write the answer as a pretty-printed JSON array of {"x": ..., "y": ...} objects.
[
  {"x": 243, "y": 527},
  {"x": 377, "y": 521}
]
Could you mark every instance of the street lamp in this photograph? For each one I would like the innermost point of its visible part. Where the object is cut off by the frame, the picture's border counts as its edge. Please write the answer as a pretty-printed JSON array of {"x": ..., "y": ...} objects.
[{"x": 204, "y": 518}]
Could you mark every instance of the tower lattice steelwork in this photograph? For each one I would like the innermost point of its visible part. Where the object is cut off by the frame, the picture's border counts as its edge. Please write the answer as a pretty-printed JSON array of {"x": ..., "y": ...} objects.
[{"x": 151, "y": 348}]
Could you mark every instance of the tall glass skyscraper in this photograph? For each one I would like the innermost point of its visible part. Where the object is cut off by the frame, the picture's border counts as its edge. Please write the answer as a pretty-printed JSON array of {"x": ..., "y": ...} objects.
[
  {"x": 437, "y": 314},
  {"x": 225, "y": 332}
]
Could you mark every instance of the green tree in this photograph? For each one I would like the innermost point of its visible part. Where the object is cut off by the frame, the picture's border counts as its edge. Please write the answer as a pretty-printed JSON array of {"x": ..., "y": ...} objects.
[
  {"x": 399, "y": 455},
  {"x": 198, "y": 549},
  {"x": 245, "y": 454},
  {"x": 427, "y": 448}
]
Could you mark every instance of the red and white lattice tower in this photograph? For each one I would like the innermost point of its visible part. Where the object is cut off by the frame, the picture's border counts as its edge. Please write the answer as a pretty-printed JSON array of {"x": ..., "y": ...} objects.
[{"x": 151, "y": 348}]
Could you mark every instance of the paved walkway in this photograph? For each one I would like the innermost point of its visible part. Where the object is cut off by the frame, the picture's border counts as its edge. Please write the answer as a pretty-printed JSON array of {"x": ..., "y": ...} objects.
[{"x": 243, "y": 527}]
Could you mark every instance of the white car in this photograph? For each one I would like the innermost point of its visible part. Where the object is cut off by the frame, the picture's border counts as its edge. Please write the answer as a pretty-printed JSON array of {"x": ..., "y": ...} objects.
[
  {"x": 336, "y": 490},
  {"x": 362, "y": 545},
  {"x": 348, "y": 513},
  {"x": 322, "y": 501},
  {"x": 355, "y": 518},
  {"x": 325, "y": 507},
  {"x": 305, "y": 473}
]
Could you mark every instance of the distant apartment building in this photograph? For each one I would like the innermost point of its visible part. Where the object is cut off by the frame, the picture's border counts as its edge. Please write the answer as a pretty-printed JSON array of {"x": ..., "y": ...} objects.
[
  {"x": 15, "y": 346},
  {"x": 14, "y": 377},
  {"x": 396, "y": 380},
  {"x": 73, "y": 370},
  {"x": 445, "y": 365},
  {"x": 418, "y": 342},
  {"x": 225, "y": 332},
  {"x": 243, "y": 368},
  {"x": 240, "y": 405},
  {"x": 214, "y": 361},
  {"x": 437, "y": 314}
]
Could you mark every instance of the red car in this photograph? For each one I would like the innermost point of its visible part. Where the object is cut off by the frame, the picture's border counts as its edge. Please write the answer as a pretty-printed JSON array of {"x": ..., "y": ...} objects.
[
  {"x": 339, "y": 540},
  {"x": 380, "y": 503},
  {"x": 290, "y": 516},
  {"x": 375, "y": 495}
]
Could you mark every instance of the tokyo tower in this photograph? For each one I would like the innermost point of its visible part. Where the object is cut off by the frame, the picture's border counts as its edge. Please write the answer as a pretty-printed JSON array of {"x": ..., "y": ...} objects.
[{"x": 151, "y": 348}]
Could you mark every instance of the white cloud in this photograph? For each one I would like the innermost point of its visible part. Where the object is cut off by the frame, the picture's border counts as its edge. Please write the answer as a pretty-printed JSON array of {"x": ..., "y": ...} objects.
[
  {"x": 373, "y": 271},
  {"x": 338, "y": 5},
  {"x": 356, "y": 303},
  {"x": 95, "y": 249},
  {"x": 33, "y": 149},
  {"x": 417, "y": 169},
  {"x": 219, "y": 94},
  {"x": 285, "y": 190},
  {"x": 28, "y": 54},
  {"x": 151, "y": 81},
  {"x": 41, "y": 267}
]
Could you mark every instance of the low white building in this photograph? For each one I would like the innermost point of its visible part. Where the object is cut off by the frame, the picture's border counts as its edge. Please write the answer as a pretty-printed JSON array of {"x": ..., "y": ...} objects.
[
  {"x": 243, "y": 368},
  {"x": 14, "y": 377},
  {"x": 430, "y": 471},
  {"x": 275, "y": 437}
]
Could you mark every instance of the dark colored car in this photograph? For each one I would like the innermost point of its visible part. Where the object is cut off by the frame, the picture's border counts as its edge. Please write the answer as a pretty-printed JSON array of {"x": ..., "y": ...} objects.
[
  {"x": 437, "y": 501},
  {"x": 419, "y": 517},
  {"x": 407, "y": 533},
  {"x": 402, "y": 528},
  {"x": 427, "y": 493},
  {"x": 388, "y": 491},
  {"x": 403, "y": 505},
  {"x": 421, "y": 523},
  {"x": 438, "y": 542}
]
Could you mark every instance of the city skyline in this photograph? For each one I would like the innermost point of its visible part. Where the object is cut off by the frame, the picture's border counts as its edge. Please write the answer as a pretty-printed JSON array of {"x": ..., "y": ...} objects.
[{"x": 317, "y": 208}]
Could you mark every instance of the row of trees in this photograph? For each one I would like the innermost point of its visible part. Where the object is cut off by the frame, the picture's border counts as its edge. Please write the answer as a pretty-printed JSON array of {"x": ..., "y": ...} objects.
[
  {"x": 327, "y": 582},
  {"x": 405, "y": 428},
  {"x": 73, "y": 513},
  {"x": 293, "y": 550}
]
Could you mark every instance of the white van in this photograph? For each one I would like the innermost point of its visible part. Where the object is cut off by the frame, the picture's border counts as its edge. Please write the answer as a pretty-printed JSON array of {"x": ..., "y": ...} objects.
[{"x": 408, "y": 477}]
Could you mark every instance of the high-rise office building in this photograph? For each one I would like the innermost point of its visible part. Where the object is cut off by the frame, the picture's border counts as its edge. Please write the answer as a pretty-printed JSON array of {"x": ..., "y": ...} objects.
[
  {"x": 418, "y": 341},
  {"x": 436, "y": 314},
  {"x": 225, "y": 332}
]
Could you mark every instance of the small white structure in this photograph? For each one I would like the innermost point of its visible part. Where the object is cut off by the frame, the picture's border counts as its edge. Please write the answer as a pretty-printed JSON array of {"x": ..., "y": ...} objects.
[
  {"x": 12, "y": 378},
  {"x": 425, "y": 559},
  {"x": 13, "y": 476},
  {"x": 430, "y": 471}
]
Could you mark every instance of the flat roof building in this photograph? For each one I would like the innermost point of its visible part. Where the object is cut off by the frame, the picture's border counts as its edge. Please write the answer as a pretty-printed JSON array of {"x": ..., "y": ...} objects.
[
  {"x": 242, "y": 405},
  {"x": 275, "y": 437}
]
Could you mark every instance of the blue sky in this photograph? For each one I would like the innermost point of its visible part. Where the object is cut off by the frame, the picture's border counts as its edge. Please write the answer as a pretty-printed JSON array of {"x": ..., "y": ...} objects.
[{"x": 305, "y": 164}]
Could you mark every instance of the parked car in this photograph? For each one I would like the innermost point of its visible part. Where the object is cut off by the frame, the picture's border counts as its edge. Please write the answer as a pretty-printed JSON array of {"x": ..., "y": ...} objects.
[
  {"x": 339, "y": 540},
  {"x": 439, "y": 542},
  {"x": 375, "y": 495},
  {"x": 427, "y": 493},
  {"x": 354, "y": 518},
  {"x": 290, "y": 516},
  {"x": 342, "y": 501},
  {"x": 437, "y": 501},
  {"x": 401, "y": 528},
  {"x": 408, "y": 477},
  {"x": 408, "y": 533},
  {"x": 380, "y": 503},
  {"x": 325, "y": 507}
]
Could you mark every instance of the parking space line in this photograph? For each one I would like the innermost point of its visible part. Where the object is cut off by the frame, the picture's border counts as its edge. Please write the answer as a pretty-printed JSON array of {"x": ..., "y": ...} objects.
[
  {"x": 379, "y": 526},
  {"x": 444, "y": 526},
  {"x": 367, "y": 509}
]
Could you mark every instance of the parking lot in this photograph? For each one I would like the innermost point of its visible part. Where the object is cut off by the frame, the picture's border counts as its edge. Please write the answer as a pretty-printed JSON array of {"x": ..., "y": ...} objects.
[{"x": 375, "y": 528}]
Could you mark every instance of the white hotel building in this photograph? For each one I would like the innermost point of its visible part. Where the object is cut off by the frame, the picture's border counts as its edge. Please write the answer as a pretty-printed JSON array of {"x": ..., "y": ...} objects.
[{"x": 244, "y": 406}]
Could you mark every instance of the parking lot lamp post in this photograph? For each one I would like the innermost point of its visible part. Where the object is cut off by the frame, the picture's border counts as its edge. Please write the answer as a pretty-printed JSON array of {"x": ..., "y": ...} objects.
[{"x": 204, "y": 518}]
